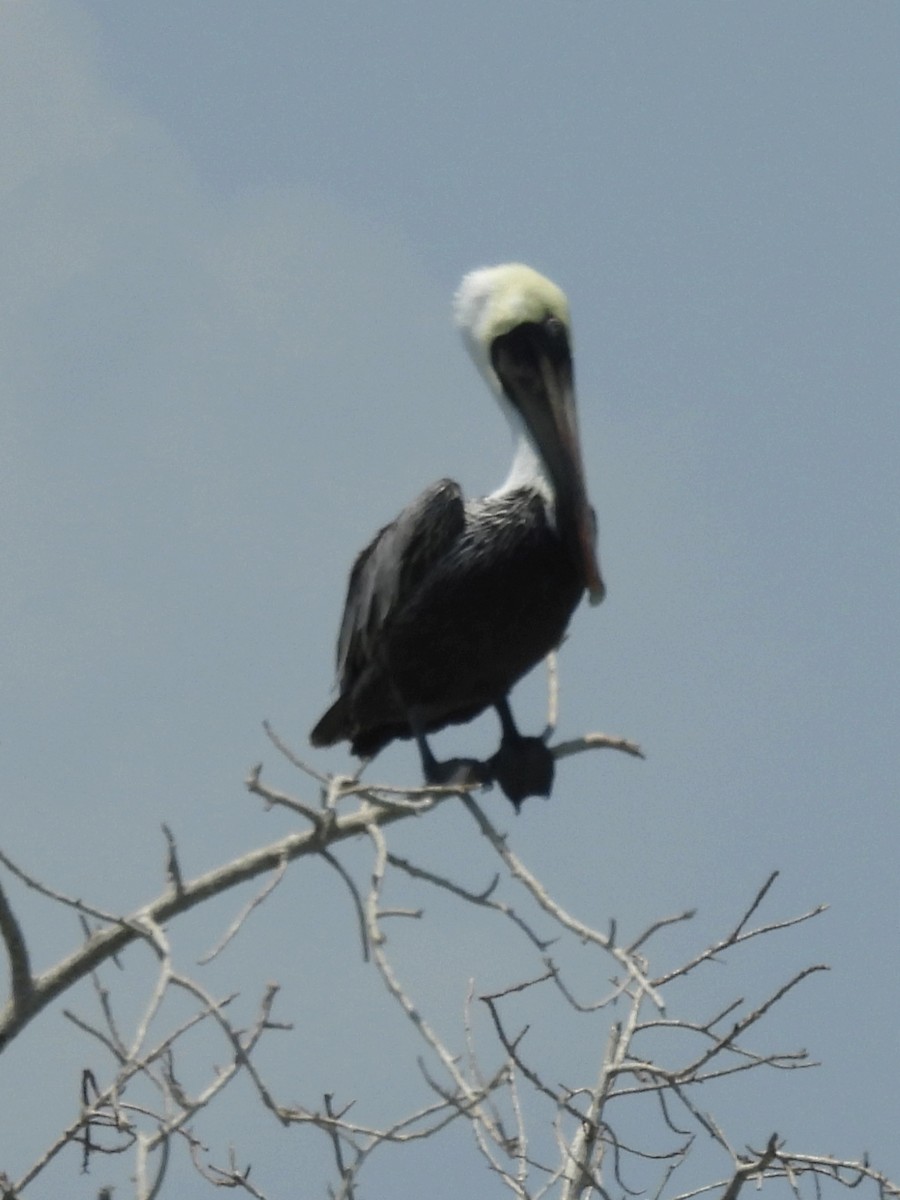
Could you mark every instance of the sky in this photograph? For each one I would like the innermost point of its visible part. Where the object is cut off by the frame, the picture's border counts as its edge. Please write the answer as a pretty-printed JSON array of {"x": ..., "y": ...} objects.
[{"x": 229, "y": 239}]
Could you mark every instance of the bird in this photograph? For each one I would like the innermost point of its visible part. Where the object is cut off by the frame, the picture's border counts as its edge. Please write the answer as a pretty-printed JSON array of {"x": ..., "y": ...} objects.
[{"x": 455, "y": 600}]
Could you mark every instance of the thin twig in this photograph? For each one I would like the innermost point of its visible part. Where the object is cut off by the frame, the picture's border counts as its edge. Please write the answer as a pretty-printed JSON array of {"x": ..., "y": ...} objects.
[{"x": 17, "y": 952}]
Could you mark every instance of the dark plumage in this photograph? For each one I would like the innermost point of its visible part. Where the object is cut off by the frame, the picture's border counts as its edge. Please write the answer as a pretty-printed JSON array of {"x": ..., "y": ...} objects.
[
  {"x": 485, "y": 592},
  {"x": 453, "y": 602}
]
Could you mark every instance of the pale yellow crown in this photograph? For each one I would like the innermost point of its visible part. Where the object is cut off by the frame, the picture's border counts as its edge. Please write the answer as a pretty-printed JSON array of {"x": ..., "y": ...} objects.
[{"x": 493, "y": 300}]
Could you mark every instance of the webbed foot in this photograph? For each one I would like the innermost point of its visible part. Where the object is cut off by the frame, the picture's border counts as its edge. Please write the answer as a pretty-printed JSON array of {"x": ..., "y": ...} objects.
[{"x": 523, "y": 766}]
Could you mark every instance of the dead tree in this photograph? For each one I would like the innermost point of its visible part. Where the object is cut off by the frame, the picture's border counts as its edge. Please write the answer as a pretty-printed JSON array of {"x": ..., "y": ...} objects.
[{"x": 632, "y": 1120}]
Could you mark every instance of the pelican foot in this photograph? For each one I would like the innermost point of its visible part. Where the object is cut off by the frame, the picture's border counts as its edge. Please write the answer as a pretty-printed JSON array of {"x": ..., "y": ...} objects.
[
  {"x": 523, "y": 766},
  {"x": 462, "y": 771}
]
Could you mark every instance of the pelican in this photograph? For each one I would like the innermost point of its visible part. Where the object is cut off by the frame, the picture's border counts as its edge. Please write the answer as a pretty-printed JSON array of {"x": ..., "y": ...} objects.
[{"x": 455, "y": 600}]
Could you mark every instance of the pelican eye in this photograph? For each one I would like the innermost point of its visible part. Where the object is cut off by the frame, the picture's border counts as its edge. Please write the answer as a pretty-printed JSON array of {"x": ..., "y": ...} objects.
[{"x": 556, "y": 338}]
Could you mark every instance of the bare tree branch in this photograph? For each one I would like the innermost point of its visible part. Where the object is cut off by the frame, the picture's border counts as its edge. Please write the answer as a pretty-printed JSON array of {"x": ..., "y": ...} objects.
[
  {"x": 538, "y": 1132},
  {"x": 17, "y": 952},
  {"x": 122, "y": 931}
]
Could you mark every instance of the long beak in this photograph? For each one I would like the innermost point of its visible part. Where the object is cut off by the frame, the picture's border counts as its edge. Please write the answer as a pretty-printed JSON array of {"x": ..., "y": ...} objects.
[
  {"x": 560, "y": 447},
  {"x": 543, "y": 392}
]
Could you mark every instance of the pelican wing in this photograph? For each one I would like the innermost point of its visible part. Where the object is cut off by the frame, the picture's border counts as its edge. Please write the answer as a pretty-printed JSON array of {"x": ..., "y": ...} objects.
[
  {"x": 389, "y": 570},
  {"x": 385, "y": 575}
]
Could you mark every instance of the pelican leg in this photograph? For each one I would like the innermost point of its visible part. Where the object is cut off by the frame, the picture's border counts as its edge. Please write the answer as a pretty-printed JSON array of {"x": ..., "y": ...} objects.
[
  {"x": 464, "y": 771},
  {"x": 523, "y": 766}
]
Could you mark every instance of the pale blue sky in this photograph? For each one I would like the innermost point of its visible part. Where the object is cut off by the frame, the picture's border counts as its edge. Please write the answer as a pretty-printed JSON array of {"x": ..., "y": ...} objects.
[{"x": 229, "y": 235}]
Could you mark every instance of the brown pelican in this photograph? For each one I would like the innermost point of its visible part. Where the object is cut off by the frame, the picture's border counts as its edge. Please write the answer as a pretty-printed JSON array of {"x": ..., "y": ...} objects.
[{"x": 454, "y": 601}]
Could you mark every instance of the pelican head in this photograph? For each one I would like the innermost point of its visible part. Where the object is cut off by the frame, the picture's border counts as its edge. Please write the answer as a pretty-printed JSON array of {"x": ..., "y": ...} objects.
[{"x": 515, "y": 324}]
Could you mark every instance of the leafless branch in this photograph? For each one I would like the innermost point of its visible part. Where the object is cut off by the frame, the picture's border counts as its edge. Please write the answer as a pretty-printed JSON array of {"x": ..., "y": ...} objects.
[
  {"x": 597, "y": 741},
  {"x": 17, "y": 952},
  {"x": 538, "y": 1134},
  {"x": 176, "y": 900},
  {"x": 740, "y": 934}
]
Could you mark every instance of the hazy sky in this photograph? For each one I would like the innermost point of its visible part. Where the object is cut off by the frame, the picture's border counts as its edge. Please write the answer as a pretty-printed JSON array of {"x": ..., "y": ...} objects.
[{"x": 229, "y": 237}]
